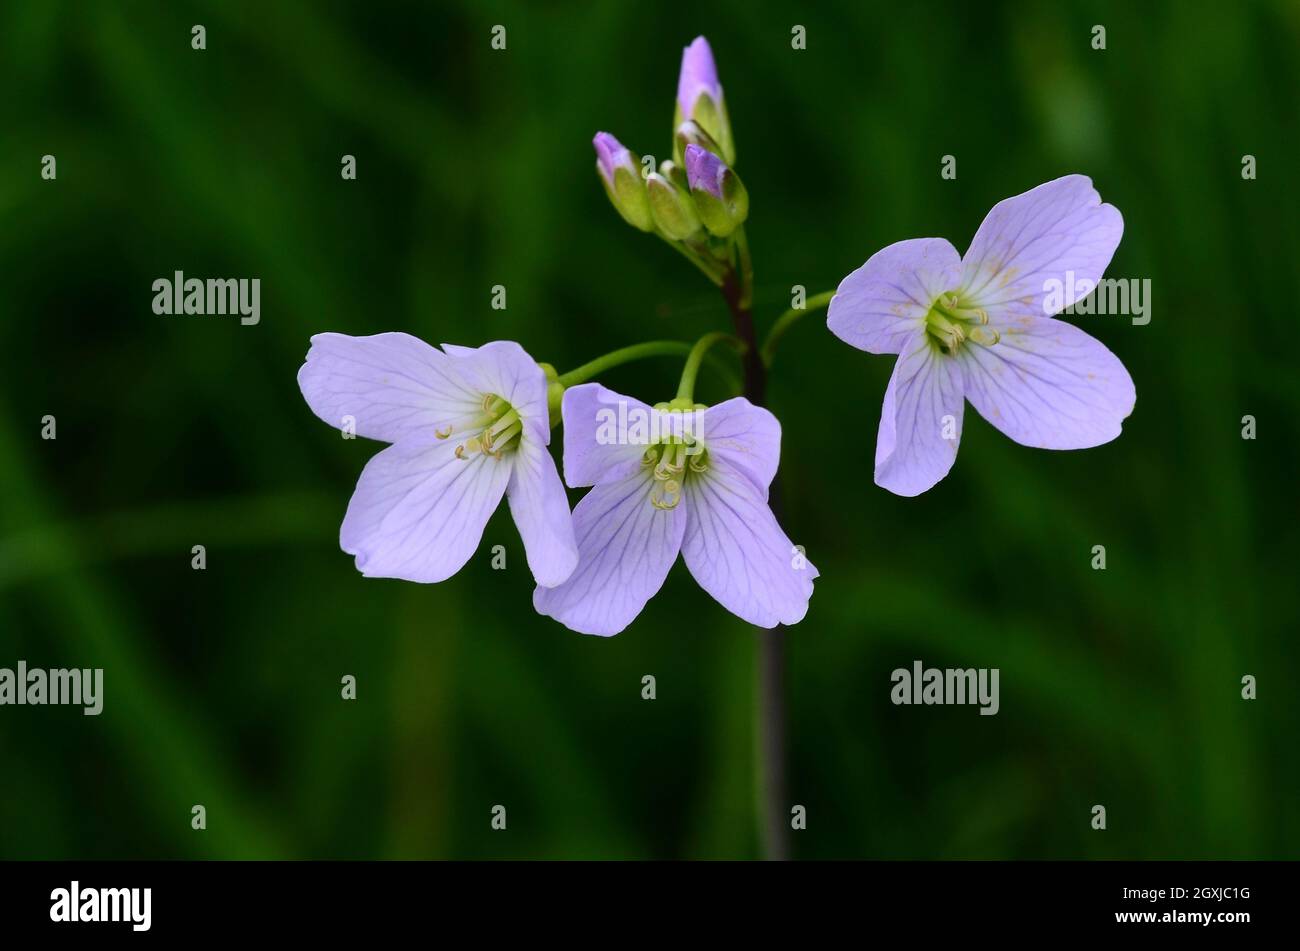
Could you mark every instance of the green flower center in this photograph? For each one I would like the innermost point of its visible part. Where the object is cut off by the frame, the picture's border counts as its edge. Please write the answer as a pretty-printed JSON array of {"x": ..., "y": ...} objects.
[
  {"x": 499, "y": 428},
  {"x": 675, "y": 458},
  {"x": 952, "y": 321}
]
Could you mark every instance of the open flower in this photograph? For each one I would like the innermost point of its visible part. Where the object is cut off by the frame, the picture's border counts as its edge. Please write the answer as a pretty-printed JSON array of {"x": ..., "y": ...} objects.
[
  {"x": 980, "y": 328},
  {"x": 669, "y": 479},
  {"x": 467, "y": 426}
]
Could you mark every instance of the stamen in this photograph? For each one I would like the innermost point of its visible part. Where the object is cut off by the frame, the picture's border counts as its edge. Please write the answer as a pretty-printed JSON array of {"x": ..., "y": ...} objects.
[
  {"x": 469, "y": 447},
  {"x": 505, "y": 421},
  {"x": 670, "y": 498},
  {"x": 665, "y": 464},
  {"x": 443, "y": 433},
  {"x": 498, "y": 439},
  {"x": 985, "y": 337}
]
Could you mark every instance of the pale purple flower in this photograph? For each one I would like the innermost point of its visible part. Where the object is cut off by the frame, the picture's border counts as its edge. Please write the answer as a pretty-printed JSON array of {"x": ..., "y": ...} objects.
[
  {"x": 698, "y": 77},
  {"x": 980, "y": 328},
  {"x": 467, "y": 426},
  {"x": 699, "y": 489}
]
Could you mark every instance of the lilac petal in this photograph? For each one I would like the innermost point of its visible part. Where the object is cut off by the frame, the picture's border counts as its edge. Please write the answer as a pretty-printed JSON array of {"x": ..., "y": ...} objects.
[
  {"x": 394, "y": 386},
  {"x": 748, "y": 437},
  {"x": 699, "y": 74},
  {"x": 738, "y": 553},
  {"x": 912, "y": 454},
  {"x": 704, "y": 170},
  {"x": 591, "y": 415},
  {"x": 879, "y": 306},
  {"x": 541, "y": 513},
  {"x": 625, "y": 548},
  {"x": 612, "y": 154},
  {"x": 418, "y": 512},
  {"x": 1057, "y": 232},
  {"x": 1048, "y": 384},
  {"x": 505, "y": 369}
]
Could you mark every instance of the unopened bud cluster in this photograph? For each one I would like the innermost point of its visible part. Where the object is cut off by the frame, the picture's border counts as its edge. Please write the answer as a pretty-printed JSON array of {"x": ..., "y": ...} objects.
[{"x": 696, "y": 198}]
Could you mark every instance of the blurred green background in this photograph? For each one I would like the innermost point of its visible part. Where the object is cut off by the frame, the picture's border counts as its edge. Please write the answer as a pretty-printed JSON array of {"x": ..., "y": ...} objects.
[{"x": 1119, "y": 687}]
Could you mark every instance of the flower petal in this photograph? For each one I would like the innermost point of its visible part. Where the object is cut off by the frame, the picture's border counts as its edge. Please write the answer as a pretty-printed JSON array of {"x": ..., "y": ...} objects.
[
  {"x": 625, "y": 548},
  {"x": 737, "y": 551},
  {"x": 394, "y": 386},
  {"x": 504, "y": 369},
  {"x": 920, "y": 421},
  {"x": 1057, "y": 232},
  {"x": 601, "y": 434},
  {"x": 698, "y": 75},
  {"x": 747, "y": 436},
  {"x": 1048, "y": 384},
  {"x": 418, "y": 512},
  {"x": 879, "y": 306},
  {"x": 541, "y": 512}
]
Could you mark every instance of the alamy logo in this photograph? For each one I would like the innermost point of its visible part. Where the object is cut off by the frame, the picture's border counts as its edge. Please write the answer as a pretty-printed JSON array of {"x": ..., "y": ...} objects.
[
  {"x": 75, "y": 903},
  {"x": 182, "y": 295},
  {"x": 927, "y": 685},
  {"x": 1121, "y": 296},
  {"x": 36, "y": 687},
  {"x": 642, "y": 426}
]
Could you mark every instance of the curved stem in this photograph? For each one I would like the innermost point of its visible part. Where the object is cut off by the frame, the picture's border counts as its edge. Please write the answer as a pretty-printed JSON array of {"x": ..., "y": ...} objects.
[
  {"x": 686, "y": 388},
  {"x": 653, "y": 348},
  {"x": 788, "y": 320}
]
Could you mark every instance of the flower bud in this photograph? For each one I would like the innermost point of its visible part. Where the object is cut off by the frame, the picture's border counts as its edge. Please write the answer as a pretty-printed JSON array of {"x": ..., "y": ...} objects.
[
  {"x": 699, "y": 97},
  {"x": 720, "y": 198},
  {"x": 671, "y": 204},
  {"x": 621, "y": 174},
  {"x": 690, "y": 133}
]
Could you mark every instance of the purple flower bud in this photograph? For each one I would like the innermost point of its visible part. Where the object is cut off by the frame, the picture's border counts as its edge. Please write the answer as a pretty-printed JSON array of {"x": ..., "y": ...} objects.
[
  {"x": 704, "y": 171},
  {"x": 611, "y": 154},
  {"x": 699, "y": 75},
  {"x": 620, "y": 172},
  {"x": 720, "y": 199}
]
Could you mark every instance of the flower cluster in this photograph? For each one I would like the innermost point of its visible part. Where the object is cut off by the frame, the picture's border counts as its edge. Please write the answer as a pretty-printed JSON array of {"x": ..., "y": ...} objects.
[
  {"x": 467, "y": 426},
  {"x": 696, "y": 200}
]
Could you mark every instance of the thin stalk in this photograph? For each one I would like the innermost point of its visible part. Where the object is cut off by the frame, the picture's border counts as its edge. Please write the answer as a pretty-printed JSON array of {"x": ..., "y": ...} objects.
[
  {"x": 788, "y": 320},
  {"x": 706, "y": 267},
  {"x": 638, "y": 351},
  {"x": 686, "y": 388},
  {"x": 769, "y": 687}
]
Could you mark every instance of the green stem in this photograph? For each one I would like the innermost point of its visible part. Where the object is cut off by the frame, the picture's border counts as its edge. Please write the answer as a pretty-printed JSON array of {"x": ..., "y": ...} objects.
[
  {"x": 686, "y": 389},
  {"x": 788, "y": 319},
  {"x": 746, "y": 269},
  {"x": 706, "y": 268},
  {"x": 654, "y": 348}
]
